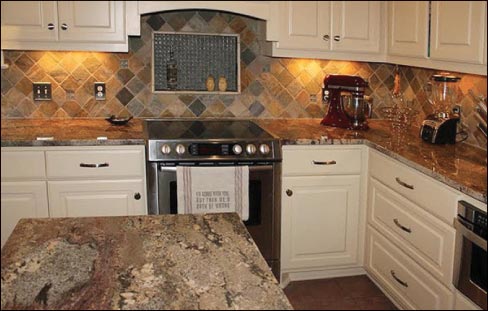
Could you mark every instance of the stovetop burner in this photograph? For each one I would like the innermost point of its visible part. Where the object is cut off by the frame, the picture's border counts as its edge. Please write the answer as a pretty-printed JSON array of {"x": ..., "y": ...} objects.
[
  {"x": 209, "y": 140},
  {"x": 200, "y": 130}
]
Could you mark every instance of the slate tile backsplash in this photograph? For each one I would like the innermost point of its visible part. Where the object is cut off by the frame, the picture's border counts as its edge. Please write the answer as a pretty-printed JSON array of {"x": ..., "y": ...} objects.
[{"x": 271, "y": 87}]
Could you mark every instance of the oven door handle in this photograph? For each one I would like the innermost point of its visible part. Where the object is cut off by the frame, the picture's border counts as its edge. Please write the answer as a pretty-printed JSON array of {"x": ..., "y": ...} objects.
[
  {"x": 470, "y": 235},
  {"x": 257, "y": 168}
]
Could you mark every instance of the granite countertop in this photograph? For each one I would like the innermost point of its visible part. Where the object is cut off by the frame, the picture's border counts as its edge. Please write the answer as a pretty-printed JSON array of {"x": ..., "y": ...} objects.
[
  {"x": 136, "y": 262},
  {"x": 460, "y": 166},
  {"x": 76, "y": 132}
]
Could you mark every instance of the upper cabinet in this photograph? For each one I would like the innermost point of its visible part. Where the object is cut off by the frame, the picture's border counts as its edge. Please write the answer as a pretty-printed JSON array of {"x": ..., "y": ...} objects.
[
  {"x": 64, "y": 25},
  {"x": 408, "y": 23},
  {"x": 458, "y": 30},
  {"x": 342, "y": 26}
]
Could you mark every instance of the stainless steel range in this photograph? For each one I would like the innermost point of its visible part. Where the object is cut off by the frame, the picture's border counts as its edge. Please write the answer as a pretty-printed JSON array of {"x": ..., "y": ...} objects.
[{"x": 176, "y": 143}]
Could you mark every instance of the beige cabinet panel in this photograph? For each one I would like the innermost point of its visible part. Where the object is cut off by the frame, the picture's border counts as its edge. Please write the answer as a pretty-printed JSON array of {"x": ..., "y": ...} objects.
[
  {"x": 303, "y": 25},
  {"x": 408, "y": 31},
  {"x": 29, "y": 21},
  {"x": 356, "y": 26},
  {"x": 320, "y": 222},
  {"x": 403, "y": 278},
  {"x": 92, "y": 21},
  {"x": 22, "y": 200},
  {"x": 458, "y": 31},
  {"x": 96, "y": 198},
  {"x": 23, "y": 165}
]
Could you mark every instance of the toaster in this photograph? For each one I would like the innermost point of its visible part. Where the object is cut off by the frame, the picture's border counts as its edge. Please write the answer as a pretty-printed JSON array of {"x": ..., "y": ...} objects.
[{"x": 439, "y": 130}]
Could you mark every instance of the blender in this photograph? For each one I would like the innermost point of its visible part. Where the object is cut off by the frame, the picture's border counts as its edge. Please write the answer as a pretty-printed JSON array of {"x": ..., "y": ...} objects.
[{"x": 440, "y": 127}]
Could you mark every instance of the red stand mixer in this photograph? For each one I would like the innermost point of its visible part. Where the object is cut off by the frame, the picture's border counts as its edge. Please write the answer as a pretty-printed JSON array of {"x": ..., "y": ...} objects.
[{"x": 348, "y": 107}]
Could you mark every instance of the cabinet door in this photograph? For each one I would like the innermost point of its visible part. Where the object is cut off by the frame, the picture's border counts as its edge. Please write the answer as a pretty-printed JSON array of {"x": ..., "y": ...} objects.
[
  {"x": 92, "y": 21},
  {"x": 356, "y": 26},
  {"x": 320, "y": 222},
  {"x": 303, "y": 25},
  {"x": 458, "y": 31},
  {"x": 22, "y": 200},
  {"x": 29, "y": 21},
  {"x": 408, "y": 27},
  {"x": 91, "y": 198}
]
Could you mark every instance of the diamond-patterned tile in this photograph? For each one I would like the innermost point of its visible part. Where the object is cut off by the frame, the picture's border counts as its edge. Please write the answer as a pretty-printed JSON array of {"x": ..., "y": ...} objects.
[
  {"x": 256, "y": 108},
  {"x": 124, "y": 75},
  {"x": 24, "y": 86},
  {"x": 24, "y": 62},
  {"x": 256, "y": 88},
  {"x": 197, "y": 107},
  {"x": 155, "y": 21},
  {"x": 124, "y": 96},
  {"x": 91, "y": 63},
  {"x": 248, "y": 56}
]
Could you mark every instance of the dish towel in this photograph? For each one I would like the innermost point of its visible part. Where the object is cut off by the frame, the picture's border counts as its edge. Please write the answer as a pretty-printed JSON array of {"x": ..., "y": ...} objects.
[{"x": 213, "y": 190}]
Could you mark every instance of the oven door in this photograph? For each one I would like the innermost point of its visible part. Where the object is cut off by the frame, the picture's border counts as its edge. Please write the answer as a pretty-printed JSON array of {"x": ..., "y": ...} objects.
[
  {"x": 261, "y": 203},
  {"x": 470, "y": 264}
]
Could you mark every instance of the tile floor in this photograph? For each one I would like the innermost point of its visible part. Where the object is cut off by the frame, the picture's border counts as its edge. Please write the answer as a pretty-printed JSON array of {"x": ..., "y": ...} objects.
[{"x": 349, "y": 293}]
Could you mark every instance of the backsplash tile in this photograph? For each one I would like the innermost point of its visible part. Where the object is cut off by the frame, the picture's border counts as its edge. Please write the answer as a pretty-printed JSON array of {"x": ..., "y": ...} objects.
[{"x": 271, "y": 87}]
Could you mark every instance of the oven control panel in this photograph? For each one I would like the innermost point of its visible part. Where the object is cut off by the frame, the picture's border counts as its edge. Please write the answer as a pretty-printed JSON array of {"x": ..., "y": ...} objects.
[{"x": 164, "y": 150}]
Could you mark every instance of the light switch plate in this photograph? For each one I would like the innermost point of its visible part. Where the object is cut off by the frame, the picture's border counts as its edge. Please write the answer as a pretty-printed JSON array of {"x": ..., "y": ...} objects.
[
  {"x": 100, "y": 91},
  {"x": 42, "y": 90}
]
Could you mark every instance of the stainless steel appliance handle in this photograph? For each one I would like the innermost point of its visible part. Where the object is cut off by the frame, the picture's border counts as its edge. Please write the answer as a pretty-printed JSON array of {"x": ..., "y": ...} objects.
[
  {"x": 402, "y": 283},
  {"x": 89, "y": 165},
  {"x": 333, "y": 162},
  {"x": 470, "y": 235},
  {"x": 257, "y": 168},
  {"x": 397, "y": 223},
  {"x": 404, "y": 184}
]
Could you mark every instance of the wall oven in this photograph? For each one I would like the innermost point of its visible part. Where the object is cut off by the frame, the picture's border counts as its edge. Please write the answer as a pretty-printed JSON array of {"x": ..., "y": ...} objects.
[{"x": 470, "y": 261}]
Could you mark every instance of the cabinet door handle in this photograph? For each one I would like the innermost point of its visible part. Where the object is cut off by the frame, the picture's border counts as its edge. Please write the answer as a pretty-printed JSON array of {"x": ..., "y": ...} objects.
[
  {"x": 50, "y": 26},
  {"x": 326, "y": 37},
  {"x": 337, "y": 38},
  {"x": 64, "y": 26},
  {"x": 404, "y": 184},
  {"x": 402, "y": 283},
  {"x": 397, "y": 223},
  {"x": 137, "y": 196},
  {"x": 333, "y": 162},
  {"x": 89, "y": 165},
  {"x": 289, "y": 192}
]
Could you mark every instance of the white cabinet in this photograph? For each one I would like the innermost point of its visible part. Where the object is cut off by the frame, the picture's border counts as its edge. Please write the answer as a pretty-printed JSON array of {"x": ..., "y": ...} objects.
[
  {"x": 64, "y": 25},
  {"x": 71, "y": 182},
  {"x": 90, "y": 198},
  {"x": 322, "y": 219},
  {"x": 408, "y": 28},
  {"x": 458, "y": 31},
  {"x": 342, "y": 26},
  {"x": 21, "y": 200}
]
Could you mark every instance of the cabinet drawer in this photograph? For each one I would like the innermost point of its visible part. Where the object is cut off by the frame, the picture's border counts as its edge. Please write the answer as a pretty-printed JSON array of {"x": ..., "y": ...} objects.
[
  {"x": 415, "y": 186},
  {"x": 321, "y": 161},
  {"x": 429, "y": 241},
  {"x": 403, "y": 278},
  {"x": 95, "y": 163},
  {"x": 23, "y": 164}
]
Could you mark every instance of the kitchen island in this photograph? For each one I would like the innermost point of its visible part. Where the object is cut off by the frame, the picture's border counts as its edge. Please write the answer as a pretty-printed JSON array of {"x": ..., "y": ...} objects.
[{"x": 136, "y": 262}]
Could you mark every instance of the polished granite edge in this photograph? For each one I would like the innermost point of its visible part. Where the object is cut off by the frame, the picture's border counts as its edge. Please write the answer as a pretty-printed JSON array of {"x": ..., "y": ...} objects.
[{"x": 72, "y": 142}]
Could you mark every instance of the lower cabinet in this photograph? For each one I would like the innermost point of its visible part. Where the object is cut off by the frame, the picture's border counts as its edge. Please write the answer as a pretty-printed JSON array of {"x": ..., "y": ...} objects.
[
  {"x": 408, "y": 283},
  {"x": 320, "y": 221},
  {"x": 96, "y": 198},
  {"x": 22, "y": 200}
]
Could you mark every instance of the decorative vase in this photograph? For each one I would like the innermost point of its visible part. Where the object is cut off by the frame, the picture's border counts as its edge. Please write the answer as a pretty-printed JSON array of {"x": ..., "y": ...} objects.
[{"x": 210, "y": 83}]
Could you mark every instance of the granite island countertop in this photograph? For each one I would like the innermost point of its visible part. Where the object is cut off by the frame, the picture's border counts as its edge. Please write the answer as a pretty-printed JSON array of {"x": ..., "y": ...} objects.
[
  {"x": 460, "y": 166},
  {"x": 136, "y": 262}
]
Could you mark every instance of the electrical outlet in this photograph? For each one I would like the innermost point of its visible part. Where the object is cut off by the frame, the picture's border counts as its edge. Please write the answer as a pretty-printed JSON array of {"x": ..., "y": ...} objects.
[
  {"x": 100, "y": 91},
  {"x": 313, "y": 98},
  {"x": 42, "y": 90}
]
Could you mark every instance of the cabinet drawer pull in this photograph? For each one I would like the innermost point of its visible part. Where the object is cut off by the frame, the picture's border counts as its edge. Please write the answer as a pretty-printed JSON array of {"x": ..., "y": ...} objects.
[
  {"x": 289, "y": 192},
  {"x": 337, "y": 38},
  {"x": 50, "y": 26},
  {"x": 404, "y": 184},
  {"x": 333, "y": 162},
  {"x": 137, "y": 196},
  {"x": 64, "y": 26},
  {"x": 326, "y": 37},
  {"x": 397, "y": 223},
  {"x": 402, "y": 283},
  {"x": 94, "y": 165}
]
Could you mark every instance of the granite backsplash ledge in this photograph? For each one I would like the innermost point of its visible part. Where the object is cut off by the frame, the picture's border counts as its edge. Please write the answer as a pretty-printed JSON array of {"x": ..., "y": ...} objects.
[{"x": 271, "y": 87}]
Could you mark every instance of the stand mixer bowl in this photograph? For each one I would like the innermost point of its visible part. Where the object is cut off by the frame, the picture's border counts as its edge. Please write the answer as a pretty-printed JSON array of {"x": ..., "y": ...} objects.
[{"x": 358, "y": 109}]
